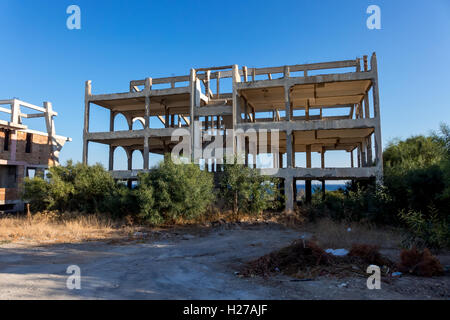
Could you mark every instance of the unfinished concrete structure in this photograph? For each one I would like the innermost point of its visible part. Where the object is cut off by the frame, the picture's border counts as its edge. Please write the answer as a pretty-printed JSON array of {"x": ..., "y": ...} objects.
[
  {"x": 24, "y": 152},
  {"x": 291, "y": 102}
]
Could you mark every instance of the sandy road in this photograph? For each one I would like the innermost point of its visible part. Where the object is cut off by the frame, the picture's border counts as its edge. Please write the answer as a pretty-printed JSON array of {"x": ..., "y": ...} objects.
[{"x": 183, "y": 267}]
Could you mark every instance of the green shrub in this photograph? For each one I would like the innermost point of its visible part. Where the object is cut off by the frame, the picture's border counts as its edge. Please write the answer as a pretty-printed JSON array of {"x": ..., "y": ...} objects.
[
  {"x": 71, "y": 187},
  {"x": 244, "y": 190},
  {"x": 432, "y": 232},
  {"x": 120, "y": 202},
  {"x": 171, "y": 191},
  {"x": 368, "y": 203},
  {"x": 37, "y": 194}
]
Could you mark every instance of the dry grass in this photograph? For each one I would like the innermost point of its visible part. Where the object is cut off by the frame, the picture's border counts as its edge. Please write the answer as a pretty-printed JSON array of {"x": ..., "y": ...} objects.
[
  {"x": 331, "y": 234},
  {"x": 51, "y": 227}
]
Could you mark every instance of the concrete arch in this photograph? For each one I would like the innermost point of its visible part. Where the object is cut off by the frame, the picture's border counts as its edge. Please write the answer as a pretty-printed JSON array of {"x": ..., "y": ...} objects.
[
  {"x": 138, "y": 120},
  {"x": 121, "y": 122}
]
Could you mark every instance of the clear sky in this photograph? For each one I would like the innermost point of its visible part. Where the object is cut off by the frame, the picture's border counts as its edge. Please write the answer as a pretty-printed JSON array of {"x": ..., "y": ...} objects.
[{"x": 42, "y": 60}]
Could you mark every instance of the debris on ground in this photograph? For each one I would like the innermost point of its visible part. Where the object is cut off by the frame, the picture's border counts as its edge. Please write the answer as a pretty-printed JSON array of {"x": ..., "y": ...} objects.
[
  {"x": 369, "y": 253},
  {"x": 301, "y": 255},
  {"x": 305, "y": 260},
  {"x": 422, "y": 264}
]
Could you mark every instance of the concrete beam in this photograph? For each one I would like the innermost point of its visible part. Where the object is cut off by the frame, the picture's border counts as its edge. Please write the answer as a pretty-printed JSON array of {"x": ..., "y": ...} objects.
[
  {"x": 319, "y": 173},
  {"x": 289, "y": 82},
  {"x": 310, "y": 125},
  {"x": 224, "y": 110}
]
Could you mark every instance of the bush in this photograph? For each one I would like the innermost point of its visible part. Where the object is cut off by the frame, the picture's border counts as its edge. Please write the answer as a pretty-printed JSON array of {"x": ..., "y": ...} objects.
[
  {"x": 173, "y": 191},
  {"x": 420, "y": 263},
  {"x": 432, "y": 232},
  {"x": 244, "y": 190},
  {"x": 71, "y": 187},
  {"x": 357, "y": 203}
]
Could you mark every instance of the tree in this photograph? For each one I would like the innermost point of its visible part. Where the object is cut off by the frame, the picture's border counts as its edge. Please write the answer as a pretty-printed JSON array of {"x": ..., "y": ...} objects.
[{"x": 244, "y": 189}]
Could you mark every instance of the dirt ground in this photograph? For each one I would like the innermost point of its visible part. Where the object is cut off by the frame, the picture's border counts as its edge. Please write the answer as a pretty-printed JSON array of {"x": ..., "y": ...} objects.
[{"x": 187, "y": 264}]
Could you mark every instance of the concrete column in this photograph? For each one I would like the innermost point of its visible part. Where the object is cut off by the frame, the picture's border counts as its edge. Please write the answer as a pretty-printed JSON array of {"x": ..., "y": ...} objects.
[
  {"x": 111, "y": 148},
  {"x": 130, "y": 159},
  {"x": 87, "y": 94},
  {"x": 376, "y": 105},
  {"x": 50, "y": 125},
  {"x": 358, "y": 153},
  {"x": 369, "y": 151},
  {"x": 287, "y": 100},
  {"x": 322, "y": 164},
  {"x": 367, "y": 115},
  {"x": 166, "y": 117},
  {"x": 351, "y": 159},
  {"x": 236, "y": 104},
  {"x": 289, "y": 194},
  {"x": 254, "y": 155},
  {"x": 308, "y": 187},
  {"x": 192, "y": 79},
  {"x": 293, "y": 150},
  {"x": 148, "y": 86},
  {"x": 111, "y": 158},
  {"x": 146, "y": 153},
  {"x": 289, "y": 149},
  {"x": 15, "y": 111},
  {"x": 363, "y": 154}
]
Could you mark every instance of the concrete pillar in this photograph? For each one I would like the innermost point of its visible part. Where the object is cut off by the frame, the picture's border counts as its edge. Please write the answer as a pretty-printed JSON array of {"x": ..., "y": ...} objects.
[
  {"x": 255, "y": 154},
  {"x": 148, "y": 86},
  {"x": 322, "y": 164},
  {"x": 363, "y": 153},
  {"x": 87, "y": 94},
  {"x": 289, "y": 194},
  {"x": 294, "y": 182},
  {"x": 308, "y": 187},
  {"x": 287, "y": 100},
  {"x": 358, "y": 153},
  {"x": 111, "y": 158},
  {"x": 369, "y": 151},
  {"x": 351, "y": 159},
  {"x": 376, "y": 105},
  {"x": 289, "y": 149},
  {"x": 246, "y": 149},
  {"x": 236, "y": 105},
  {"x": 192, "y": 79},
  {"x": 146, "y": 153},
  {"x": 323, "y": 189},
  {"x": 130, "y": 159}
]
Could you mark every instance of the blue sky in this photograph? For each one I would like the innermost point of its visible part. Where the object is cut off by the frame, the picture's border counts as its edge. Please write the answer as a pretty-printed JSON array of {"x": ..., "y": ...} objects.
[{"x": 40, "y": 59}]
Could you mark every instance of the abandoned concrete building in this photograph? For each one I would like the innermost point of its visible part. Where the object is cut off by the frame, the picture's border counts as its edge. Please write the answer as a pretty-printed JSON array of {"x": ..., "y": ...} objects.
[
  {"x": 24, "y": 152},
  {"x": 297, "y": 110}
]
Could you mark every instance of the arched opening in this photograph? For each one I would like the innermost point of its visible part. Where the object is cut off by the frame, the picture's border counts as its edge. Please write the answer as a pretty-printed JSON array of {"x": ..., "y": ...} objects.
[
  {"x": 137, "y": 160},
  {"x": 120, "y": 122},
  {"x": 138, "y": 123},
  {"x": 120, "y": 159}
]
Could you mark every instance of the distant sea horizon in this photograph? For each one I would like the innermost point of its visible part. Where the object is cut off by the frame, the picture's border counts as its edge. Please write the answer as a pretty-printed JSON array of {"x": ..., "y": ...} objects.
[{"x": 328, "y": 186}]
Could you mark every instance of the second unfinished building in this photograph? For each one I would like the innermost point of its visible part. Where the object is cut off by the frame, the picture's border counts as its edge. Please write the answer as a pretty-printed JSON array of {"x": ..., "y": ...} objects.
[{"x": 280, "y": 113}]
